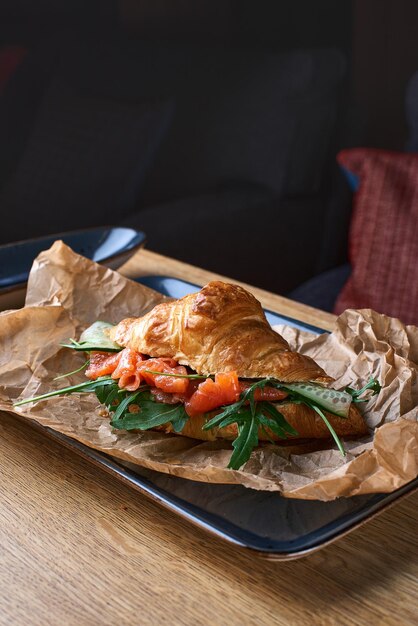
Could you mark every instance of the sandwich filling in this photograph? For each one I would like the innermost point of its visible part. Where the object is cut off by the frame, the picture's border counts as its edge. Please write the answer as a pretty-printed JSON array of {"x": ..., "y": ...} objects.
[
  {"x": 142, "y": 392},
  {"x": 171, "y": 383}
]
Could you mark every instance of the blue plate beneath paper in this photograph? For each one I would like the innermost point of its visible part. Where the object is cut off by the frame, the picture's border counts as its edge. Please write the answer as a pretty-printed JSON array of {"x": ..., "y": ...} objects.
[
  {"x": 272, "y": 526},
  {"x": 109, "y": 245}
]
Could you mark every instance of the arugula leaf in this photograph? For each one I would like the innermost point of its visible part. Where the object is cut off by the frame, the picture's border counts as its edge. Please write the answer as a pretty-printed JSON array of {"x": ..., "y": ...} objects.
[
  {"x": 94, "y": 338},
  {"x": 79, "y": 369},
  {"x": 110, "y": 395},
  {"x": 233, "y": 409},
  {"x": 179, "y": 422},
  {"x": 150, "y": 415},
  {"x": 267, "y": 422},
  {"x": 226, "y": 417},
  {"x": 277, "y": 417},
  {"x": 245, "y": 443},
  {"x": 330, "y": 428},
  {"x": 249, "y": 419},
  {"x": 102, "y": 391},
  {"x": 236, "y": 418},
  {"x": 122, "y": 410},
  {"x": 373, "y": 385},
  {"x": 87, "y": 386}
]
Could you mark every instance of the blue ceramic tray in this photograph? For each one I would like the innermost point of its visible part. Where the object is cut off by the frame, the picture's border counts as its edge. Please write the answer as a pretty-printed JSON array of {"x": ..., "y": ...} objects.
[
  {"x": 109, "y": 245},
  {"x": 272, "y": 526}
]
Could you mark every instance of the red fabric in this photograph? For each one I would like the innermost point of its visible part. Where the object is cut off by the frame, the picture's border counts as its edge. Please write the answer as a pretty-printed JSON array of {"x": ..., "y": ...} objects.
[
  {"x": 383, "y": 234},
  {"x": 10, "y": 58}
]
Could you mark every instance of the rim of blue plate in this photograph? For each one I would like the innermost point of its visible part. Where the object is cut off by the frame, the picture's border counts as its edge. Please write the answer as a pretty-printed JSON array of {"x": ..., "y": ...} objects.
[{"x": 133, "y": 239}]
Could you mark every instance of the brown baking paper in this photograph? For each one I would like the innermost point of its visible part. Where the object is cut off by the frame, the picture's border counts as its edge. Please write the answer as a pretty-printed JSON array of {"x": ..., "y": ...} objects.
[{"x": 67, "y": 292}]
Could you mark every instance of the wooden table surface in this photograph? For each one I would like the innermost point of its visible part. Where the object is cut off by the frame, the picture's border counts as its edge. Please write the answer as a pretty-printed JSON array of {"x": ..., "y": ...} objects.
[{"x": 78, "y": 547}]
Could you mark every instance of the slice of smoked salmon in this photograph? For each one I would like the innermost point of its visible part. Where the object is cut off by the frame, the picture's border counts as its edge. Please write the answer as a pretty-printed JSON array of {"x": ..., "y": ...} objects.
[
  {"x": 169, "y": 384},
  {"x": 102, "y": 364},
  {"x": 127, "y": 372},
  {"x": 212, "y": 394}
]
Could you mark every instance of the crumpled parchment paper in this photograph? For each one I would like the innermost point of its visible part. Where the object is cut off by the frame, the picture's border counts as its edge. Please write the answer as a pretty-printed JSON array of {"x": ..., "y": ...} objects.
[{"x": 67, "y": 292}]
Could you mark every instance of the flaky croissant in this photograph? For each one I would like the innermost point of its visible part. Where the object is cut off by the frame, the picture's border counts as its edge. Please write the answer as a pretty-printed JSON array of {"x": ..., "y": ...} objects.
[
  {"x": 220, "y": 328},
  {"x": 223, "y": 328}
]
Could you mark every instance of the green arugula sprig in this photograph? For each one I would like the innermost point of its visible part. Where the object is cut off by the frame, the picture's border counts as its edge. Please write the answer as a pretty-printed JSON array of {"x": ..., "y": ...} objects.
[
  {"x": 94, "y": 338},
  {"x": 149, "y": 413},
  {"x": 67, "y": 374},
  {"x": 119, "y": 402},
  {"x": 373, "y": 385},
  {"x": 88, "y": 386},
  {"x": 88, "y": 346},
  {"x": 250, "y": 416}
]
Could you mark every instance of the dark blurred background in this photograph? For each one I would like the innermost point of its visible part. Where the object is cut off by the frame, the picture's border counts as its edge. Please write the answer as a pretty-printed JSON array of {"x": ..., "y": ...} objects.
[{"x": 213, "y": 125}]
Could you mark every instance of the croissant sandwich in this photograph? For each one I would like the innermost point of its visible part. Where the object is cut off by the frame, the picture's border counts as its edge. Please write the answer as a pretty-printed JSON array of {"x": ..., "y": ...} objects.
[{"x": 209, "y": 366}]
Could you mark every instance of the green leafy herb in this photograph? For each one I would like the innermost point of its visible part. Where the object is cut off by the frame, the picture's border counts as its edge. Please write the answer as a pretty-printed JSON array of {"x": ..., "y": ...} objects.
[
  {"x": 259, "y": 415},
  {"x": 275, "y": 420},
  {"x": 87, "y": 386},
  {"x": 94, "y": 338},
  {"x": 245, "y": 443},
  {"x": 122, "y": 409},
  {"x": 267, "y": 416},
  {"x": 179, "y": 422},
  {"x": 103, "y": 392},
  {"x": 150, "y": 414},
  {"x": 249, "y": 416},
  {"x": 231, "y": 411},
  {"x": 373, "y": 385},
  {"x": 109, "y": 396},
  {"x": 73, "y": 372},
  {"x": 330, "y": 428}
]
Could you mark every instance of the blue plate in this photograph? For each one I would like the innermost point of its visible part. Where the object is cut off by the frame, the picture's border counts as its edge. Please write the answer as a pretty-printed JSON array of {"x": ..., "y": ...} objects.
[
  {"x": 272, "y": 526},
  {"x": 109, "y": 245}
]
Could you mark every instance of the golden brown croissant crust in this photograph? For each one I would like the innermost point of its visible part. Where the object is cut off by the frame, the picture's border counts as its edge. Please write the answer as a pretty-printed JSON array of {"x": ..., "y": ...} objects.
[{"x": 221, "y": 328}]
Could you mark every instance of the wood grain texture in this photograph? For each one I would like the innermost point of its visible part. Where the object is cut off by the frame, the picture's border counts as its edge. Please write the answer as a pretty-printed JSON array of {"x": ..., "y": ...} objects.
[{"x": 77, "y": 547}]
